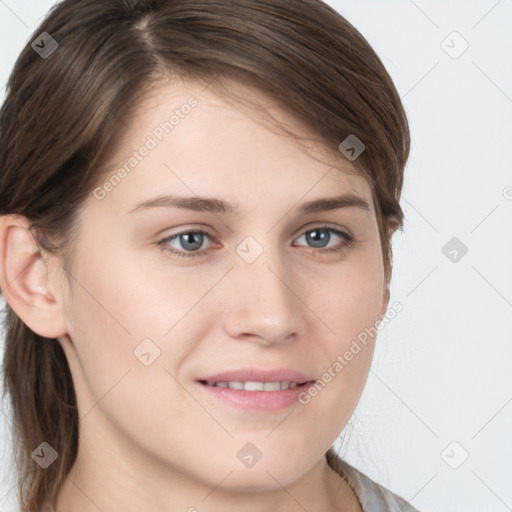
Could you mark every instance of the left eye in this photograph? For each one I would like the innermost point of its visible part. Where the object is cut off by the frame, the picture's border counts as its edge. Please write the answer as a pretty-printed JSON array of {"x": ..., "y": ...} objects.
[
  {"x": 191, "y": 241},
  {"x": 322, "y": 234}
]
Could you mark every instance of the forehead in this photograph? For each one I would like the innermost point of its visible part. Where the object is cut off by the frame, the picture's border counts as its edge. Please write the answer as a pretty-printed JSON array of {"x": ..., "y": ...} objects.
[
  {"x": 235, "y": 102},
  {"x": 202, "y": 143}
]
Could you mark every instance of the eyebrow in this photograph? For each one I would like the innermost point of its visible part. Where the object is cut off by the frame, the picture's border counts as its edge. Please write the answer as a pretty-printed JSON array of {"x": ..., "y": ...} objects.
[{"x": 218, "y": 206}]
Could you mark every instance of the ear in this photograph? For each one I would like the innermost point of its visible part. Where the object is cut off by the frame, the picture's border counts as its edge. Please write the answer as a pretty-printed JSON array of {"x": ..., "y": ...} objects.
[
  {"x": 385, "y": 301},
  {"x": 386, "y": 292},
  {"x": 27, "y": 284},
  {"x": 392, "y": 225}
]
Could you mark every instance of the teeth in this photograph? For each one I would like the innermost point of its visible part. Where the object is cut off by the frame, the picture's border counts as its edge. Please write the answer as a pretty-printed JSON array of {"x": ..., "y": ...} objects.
[{"x": 254, "y": 386}]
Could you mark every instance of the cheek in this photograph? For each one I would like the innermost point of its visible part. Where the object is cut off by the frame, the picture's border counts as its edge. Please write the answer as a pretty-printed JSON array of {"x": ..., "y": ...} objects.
[
  {"x": 350, "y": 298},
  {"x": 112, "y": 312},
  {"x": 134, "y": 323},
  {"x": 122, "y": 362},
  {"x": 349, "y": 306}
]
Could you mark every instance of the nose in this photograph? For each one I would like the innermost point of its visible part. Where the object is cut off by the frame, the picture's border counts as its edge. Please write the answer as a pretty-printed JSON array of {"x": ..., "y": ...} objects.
[{"x": 263, "y": 302}]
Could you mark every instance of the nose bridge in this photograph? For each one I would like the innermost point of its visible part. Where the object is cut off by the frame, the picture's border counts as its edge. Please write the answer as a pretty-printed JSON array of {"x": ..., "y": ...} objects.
[{"x": 263, "y": 302}]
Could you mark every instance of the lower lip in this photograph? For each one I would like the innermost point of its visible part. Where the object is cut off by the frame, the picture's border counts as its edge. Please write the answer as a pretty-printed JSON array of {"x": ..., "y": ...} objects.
[{"x": 266, "y": 401}]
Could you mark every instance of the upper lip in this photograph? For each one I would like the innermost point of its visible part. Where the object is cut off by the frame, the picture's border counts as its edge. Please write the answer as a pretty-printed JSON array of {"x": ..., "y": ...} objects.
[{"x": 256, "y": 375}]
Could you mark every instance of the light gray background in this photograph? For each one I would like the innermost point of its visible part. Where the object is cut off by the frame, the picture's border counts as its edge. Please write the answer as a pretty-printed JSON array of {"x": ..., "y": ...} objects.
[{"x": 441, "y": 369}]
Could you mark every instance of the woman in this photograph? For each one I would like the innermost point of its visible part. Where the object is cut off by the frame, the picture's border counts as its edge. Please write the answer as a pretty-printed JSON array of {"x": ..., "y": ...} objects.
[{"x": 197, "y": 203}]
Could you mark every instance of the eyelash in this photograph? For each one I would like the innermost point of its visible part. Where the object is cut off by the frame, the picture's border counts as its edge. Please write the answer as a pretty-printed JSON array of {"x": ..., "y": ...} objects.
[{"x": 347, "y": 242}]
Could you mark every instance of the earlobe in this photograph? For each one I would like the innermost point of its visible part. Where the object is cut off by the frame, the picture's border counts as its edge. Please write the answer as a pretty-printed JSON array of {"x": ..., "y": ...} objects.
[{"x": 25, "y": 279}]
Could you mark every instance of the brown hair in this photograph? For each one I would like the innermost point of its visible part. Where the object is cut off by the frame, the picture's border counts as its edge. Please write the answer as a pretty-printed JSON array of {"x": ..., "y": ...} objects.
[{"x": 61, "y": 115}]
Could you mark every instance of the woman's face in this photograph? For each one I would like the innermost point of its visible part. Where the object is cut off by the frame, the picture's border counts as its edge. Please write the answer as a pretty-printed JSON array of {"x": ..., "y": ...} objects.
[{"x": 261, "y": 289}]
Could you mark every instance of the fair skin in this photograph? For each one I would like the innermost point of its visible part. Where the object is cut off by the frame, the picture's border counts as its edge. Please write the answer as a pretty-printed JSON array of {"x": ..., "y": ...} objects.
[{"x": 151, "y": 438}]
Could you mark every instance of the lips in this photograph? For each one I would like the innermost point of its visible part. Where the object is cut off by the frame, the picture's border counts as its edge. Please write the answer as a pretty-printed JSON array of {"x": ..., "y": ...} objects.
[
  {"x": 251, "y": 389},
  {"x": 257, "y": 375}
]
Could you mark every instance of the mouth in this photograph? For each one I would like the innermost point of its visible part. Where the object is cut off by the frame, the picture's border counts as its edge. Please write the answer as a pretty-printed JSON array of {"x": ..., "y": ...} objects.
[
  {"x": 255, "y": 390},
  {"x": 259, "y": 397},
  {"x": 255, "y": 385}
]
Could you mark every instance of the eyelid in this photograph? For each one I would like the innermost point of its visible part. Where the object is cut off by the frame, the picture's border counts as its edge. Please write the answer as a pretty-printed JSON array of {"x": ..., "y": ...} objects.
[
  {"x": 298, "y": 232},
  {"x": 326, "y": 225}
]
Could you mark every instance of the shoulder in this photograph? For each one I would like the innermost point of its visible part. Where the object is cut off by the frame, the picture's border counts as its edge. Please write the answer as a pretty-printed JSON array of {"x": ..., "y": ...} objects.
[{"x": 373, "y": 496}]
